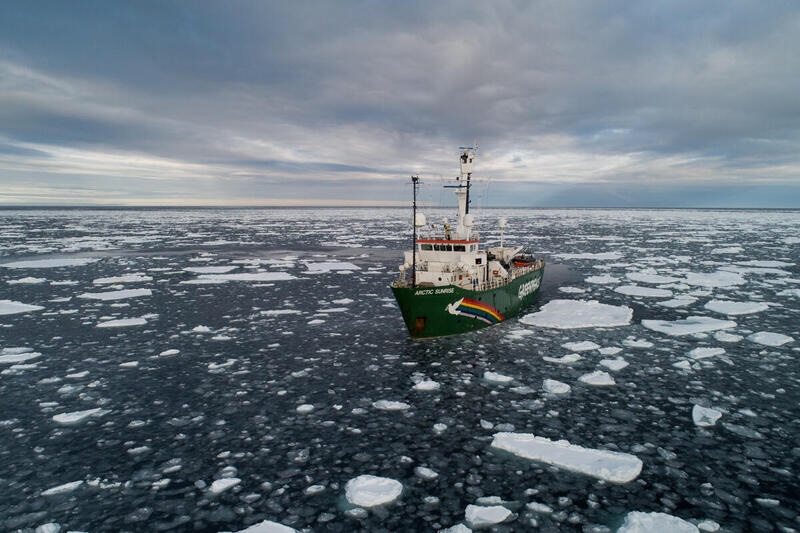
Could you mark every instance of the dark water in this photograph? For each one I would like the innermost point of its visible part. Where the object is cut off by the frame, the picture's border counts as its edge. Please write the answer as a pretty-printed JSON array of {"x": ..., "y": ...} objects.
[{"x": 252, "y": 352}]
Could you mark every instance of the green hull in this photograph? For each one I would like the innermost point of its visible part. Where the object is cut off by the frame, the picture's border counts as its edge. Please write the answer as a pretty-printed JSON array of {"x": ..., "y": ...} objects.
[{"x": 449, "y": 310}]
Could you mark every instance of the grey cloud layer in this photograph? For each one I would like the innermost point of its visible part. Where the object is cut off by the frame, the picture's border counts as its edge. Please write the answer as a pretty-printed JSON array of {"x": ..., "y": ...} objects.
[{"x": 280, "y": 92}]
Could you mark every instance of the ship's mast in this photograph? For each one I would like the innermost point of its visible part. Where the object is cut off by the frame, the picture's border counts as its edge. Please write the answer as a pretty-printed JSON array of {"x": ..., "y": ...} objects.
[
  {"x": 462, "y": 189},
  {"x": 414, "y": 185}
]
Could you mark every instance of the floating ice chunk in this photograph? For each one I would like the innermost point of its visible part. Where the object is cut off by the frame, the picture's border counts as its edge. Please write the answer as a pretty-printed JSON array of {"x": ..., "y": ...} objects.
[
  {"x": 765, "y": 264},
  {"x": 202, "y": 329},
  {"x": 563, "y": 360},
  {"x": 126, "y": 278},
  {"x": 602, "y": 256},
  {"x": 315, "y": 322},
  {"x": 211, "y": 269},
  {"x": 705, "y": 352},
  {"x": 790, "y": 292},
  {"x": 242, "y": 276},
  {"x": 268, "y": 526},
  {"x": 705, "y": 416},
  {"x": 649, "y": 292},
  {"x": 709, "y": 526},
  {"x": 581, "y": 346},
  {"x": 639, "y": 522},
  {"x": 598, "y": 378},
  {"x": 555, "y": 387},
  {"x": 679, "y": 301},
  {"x": 688, "y": 326},
  {"x": 123, "y": 322},
  {"x": 615, "y": 467},
  {"x": 770, "y": 339},
  {"x": 425, "y": 473},
  {"x": 17, "y": 355},
  {"x": 116, "y": 295},
  {"x": 610, "y": 350},
  {"x": 722, "y": 336},
  {"x": 427, "y": 385},
  {"x": 614, "y": 364},
  {"x": 171, "y": 351},
  {"x": 720, "y": 278},
  {"x": 372, "y": 491},
  {"x": 62, "y": 489},
  {"x": 494, "y": 377},
  {"x": 10, "y": 307},
  {"x": 51, "y": 263},
  {"x": 727, "y": 307},
  {"x": 540, "y": 508},
  {"x": 602, "y": 280},
  {"x": 478, "y": 516},
  {"x": 330, "y": 266},
  {"x": 768, "y": 502},
  {"x": 130, "y": 364},
  {"x": 77, "y": 417},
  {"x": 439, "y": 428},
  {"x": 304, "y": 408},
  {"x": 26, "y": 281},
  {"x": 570, "y": 314},
  {"x": 650, "y": 277},
  {"x": 221, "y": 485},
  {"x": 279, "y": 312},
  {"x": 390, "y": 405}
]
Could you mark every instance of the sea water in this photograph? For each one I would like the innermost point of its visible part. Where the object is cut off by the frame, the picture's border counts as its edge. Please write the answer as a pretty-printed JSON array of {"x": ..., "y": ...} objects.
[{"x": 213, "y": 370}]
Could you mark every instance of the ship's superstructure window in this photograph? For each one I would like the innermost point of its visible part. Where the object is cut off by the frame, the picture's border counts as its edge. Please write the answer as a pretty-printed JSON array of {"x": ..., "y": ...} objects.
[
  {"x": 427, "y": 247},
  {"x": 459, "y": 248}
]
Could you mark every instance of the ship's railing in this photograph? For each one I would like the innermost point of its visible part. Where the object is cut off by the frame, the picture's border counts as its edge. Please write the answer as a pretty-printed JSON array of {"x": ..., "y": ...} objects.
[{"x": 404, "y": 280}]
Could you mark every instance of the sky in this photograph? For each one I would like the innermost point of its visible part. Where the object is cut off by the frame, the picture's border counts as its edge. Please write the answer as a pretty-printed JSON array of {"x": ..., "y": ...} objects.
[{"x": 662, "y": 103}]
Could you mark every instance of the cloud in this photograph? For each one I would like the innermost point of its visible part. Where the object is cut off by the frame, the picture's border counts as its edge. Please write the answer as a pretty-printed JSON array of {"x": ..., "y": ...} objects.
[{"x": 212, "y": 101}]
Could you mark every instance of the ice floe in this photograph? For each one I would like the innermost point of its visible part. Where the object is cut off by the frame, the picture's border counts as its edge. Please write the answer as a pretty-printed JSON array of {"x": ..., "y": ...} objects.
[
  {"x": 564, "y": 359},
  {"x": 390, "y": 405},
  {"x": 600, "y": 256},
  {"x": 479, "y": 516},
  {"x": 116, "y": 295},
  {"x": 10, "y": 307},
  {"x": 204, "y": 279},
  {"x": 426, "y": 385},
  {"x": 221, "y": 485},
  {"x": 372, "y": 491},
  {"x": 17, "y": 355},
  {"x": 330, "y": 266},
  {"x": 581, "y": 346},
  {"x": 768, "y": 338},
  {"x": 211, "y": 269},
  {"x": 704, "y": 352},
  {"x": 678, "y": 301},
  {"x": 720, "y": 278},
  {"x": 268, "y": 526},
  {"x": 63, "y": 489},
  {"x": 76, "y": 417},
  {"x": 705, "y": 416},
  {"x": 494, "y": 377},
  {"x": 648, "y": 292},
  {"x": 571, "y": 314},
  {"x": 614, "y": 365},
  {"x": 555, "y": 387},
  {"x": 51, "y": 263},
  {"x": 27, "y": 281},
  {"x": 639, "y": 522},
  {"x": 614, "y": 467},
  {"x": 123, "y": 322},
  {"x": 598, "y": 378},
  {"x": 727, "y": 307},
  {"x": 650, "y": 277},
  {"x": 688, "y": 326},
  {"x": 126, "y": 278}
]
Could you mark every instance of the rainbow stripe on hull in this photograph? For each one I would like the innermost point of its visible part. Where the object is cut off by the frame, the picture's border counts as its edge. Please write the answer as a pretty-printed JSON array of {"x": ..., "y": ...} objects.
[{"x": 477, "y": 310}]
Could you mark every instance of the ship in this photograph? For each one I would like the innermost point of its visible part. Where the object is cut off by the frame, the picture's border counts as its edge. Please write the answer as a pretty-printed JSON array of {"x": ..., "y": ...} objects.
[{"x": 448, "y": 283}]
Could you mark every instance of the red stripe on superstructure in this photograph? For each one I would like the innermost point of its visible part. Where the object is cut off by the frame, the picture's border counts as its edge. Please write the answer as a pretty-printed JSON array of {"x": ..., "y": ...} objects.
[{"x": 445, "y": 241}]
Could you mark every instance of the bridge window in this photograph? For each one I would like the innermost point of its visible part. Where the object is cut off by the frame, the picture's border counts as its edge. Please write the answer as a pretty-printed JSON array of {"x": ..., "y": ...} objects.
[
  {"x": 426, "y": 247},
  {"x": 459, "y": 248}
]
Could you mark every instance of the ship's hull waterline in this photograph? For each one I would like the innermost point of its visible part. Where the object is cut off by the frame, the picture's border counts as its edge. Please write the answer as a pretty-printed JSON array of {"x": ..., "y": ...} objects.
[{"x": 449, "y": 310}]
